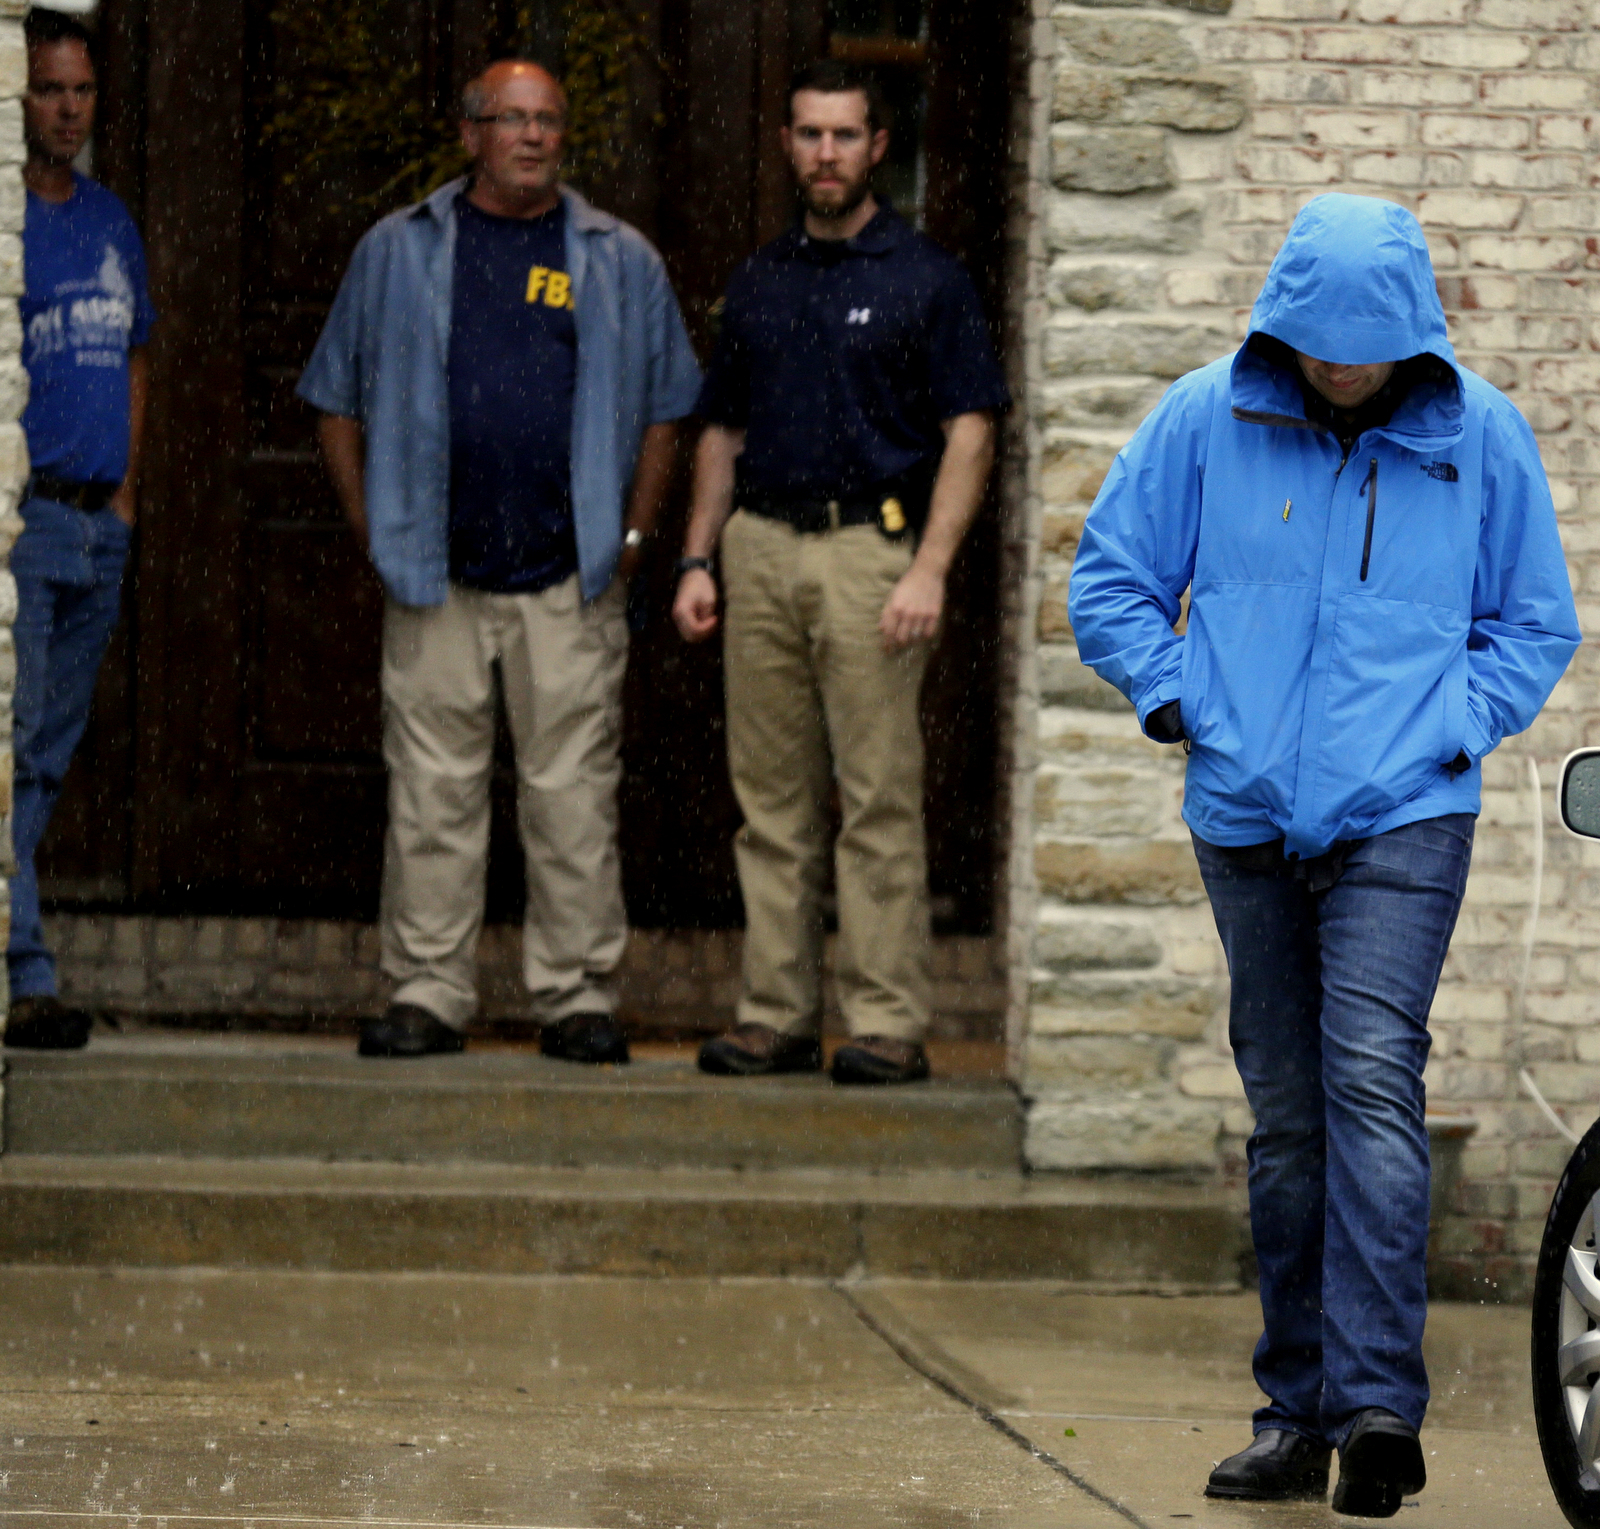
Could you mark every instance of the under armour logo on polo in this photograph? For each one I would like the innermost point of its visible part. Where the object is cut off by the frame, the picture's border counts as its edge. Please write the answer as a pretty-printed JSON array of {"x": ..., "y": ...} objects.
[{"x": 859, "y": 316}]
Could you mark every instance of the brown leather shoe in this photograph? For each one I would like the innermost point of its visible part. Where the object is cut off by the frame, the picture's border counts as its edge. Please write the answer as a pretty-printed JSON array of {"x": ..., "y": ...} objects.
[
  {"x": 879, "y": 1059},
  {"x": 749, "y": 1050}
]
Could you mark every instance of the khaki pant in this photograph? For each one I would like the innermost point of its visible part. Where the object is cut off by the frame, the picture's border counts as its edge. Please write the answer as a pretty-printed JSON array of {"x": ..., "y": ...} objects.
[
  {"x": 813, "y": 697},
  {"x": 561, "y": 666}
]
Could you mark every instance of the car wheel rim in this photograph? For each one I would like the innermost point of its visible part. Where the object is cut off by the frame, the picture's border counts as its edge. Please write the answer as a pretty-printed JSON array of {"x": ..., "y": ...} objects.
[{"x": 1578, "y": 1355}]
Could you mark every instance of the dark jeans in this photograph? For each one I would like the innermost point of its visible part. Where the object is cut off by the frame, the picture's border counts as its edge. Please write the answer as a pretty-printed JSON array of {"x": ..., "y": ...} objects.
[
  {"x": 68, "y": 568},
  {"x": 1329, "y": 1025}
]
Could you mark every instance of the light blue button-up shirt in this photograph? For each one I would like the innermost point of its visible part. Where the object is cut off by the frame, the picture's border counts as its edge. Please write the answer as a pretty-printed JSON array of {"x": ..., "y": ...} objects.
[{"x": 383, "y": 358}]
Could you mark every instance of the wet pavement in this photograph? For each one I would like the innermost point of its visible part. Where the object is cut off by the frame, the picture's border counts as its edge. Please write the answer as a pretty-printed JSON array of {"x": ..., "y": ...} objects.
[{"x": 202, "y": 1398}]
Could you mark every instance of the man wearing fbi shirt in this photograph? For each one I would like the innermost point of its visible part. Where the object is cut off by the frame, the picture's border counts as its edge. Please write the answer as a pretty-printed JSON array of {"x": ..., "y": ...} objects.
[
  {"x": 850, "y": 408},
  {"x": 500, "y": 379}
]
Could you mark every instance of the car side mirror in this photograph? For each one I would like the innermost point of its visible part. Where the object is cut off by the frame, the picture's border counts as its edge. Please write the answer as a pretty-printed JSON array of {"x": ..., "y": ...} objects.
[{"x": 1580, "y": 793}]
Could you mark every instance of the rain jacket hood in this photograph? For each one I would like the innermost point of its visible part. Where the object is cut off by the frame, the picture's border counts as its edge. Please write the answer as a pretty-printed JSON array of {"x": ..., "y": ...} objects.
[
  {"x": 1366, "y": 620},
  {"x": 1353, "y": 284}
]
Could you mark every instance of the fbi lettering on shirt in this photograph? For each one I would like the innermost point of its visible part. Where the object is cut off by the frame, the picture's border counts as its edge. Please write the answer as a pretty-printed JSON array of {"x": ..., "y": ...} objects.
[{"x": 552, "y": 288}]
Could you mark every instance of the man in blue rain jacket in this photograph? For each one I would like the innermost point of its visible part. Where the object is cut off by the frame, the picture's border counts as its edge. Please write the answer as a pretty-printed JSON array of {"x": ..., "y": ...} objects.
[{"x": 1377, "y": 596}]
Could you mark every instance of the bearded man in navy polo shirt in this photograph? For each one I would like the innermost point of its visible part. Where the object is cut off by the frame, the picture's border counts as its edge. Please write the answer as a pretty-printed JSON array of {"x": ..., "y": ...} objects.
[
  {"x": 86, "y": 316},
  {"x": 850, "y": 424}
]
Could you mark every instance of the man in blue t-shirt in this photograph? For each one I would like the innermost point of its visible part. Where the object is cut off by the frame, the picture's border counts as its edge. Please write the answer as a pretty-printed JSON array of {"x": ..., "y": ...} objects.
[
  {"x": 500, "y": 380},
  {"x": 86, "y": 318}
]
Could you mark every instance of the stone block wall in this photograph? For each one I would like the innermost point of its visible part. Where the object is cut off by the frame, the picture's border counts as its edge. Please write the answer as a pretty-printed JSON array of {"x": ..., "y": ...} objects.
[
  {"x": 1130, "y": 122},
  {"x": 13, "y": 398},
  {"x": 1167, "y": 150}
]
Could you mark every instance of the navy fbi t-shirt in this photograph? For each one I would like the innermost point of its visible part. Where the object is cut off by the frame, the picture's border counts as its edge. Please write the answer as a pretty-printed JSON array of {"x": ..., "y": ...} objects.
[
  {"x": 839, "y": 359},
  {"x": 513, "y": 361},
  {"x": 84, "y": 305}
]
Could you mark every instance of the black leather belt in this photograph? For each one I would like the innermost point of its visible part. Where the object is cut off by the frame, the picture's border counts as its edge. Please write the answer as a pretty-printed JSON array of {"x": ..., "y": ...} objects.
[
  {"x": 89, "y": 496},
  {"x": 887, "y": 511}
]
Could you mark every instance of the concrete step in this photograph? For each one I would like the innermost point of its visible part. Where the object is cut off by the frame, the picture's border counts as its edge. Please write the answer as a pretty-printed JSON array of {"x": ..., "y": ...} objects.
[
  {"x": 480, "y": 1218},
  {"x": 267, "y": 1151},
  {"x": 266, "y": 1097}
]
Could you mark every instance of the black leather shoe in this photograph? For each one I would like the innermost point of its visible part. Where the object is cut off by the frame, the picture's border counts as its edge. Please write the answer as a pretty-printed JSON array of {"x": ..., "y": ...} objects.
[
  {"x": 1279, "y": 1466},
  {"x": 1380, "y": 1464},
  {"x": 407, "y": 1029},
  {"x": 880, "y": 1059},
  {"x": 44, "y": 1023},
  {"x": 751, "y": 1050},
  {"x": 594, "y": 1038}
]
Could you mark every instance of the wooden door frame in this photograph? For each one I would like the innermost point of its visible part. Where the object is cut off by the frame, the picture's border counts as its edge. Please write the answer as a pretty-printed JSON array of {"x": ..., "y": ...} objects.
[{"x": 188, "y": 607}]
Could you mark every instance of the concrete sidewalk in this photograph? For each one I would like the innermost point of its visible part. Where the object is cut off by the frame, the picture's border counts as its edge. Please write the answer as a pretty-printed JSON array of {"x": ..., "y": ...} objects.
[
  {"x": 1155, "y": 1391},
  {"x": 265, "y": 1399}
]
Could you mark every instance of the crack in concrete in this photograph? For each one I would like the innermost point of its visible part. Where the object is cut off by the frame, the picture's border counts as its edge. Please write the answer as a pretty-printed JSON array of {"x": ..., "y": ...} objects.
[{"x": 908, "y": 1356}]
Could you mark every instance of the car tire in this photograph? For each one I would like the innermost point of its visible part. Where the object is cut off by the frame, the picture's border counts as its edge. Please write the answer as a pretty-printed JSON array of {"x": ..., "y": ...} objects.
[{"x": 1566, "y": 1337}]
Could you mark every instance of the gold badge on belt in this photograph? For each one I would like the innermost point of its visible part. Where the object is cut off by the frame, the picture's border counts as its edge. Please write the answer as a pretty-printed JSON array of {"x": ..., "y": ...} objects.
[{"x": 893, "y": 515}]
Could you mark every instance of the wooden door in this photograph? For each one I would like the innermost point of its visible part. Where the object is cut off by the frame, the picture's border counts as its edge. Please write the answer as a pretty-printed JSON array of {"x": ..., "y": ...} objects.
[{"x": 232, "y": 765}]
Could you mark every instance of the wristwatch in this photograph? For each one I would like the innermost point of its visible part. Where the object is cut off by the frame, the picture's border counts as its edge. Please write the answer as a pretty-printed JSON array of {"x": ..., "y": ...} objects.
[
  {"x": 688, "y": 564},
  {"x": 633, "y": 538}
]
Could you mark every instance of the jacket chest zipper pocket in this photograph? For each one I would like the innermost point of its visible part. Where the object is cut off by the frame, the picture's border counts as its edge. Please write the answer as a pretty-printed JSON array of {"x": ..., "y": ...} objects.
[{"x": 1372, "y": 515}]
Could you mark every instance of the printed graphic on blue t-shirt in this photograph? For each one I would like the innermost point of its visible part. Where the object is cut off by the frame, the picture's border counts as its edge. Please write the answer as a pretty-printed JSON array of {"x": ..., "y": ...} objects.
[
  {"x": 85, "y": 304},
  {"x": 513, "y": 365}
]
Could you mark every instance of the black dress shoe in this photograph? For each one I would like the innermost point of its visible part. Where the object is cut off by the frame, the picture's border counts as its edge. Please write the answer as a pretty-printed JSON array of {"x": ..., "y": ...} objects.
[
  {"x": 407, "y": 1029},
  {"x": 880, "y": 1059},
  {"x": 594, "y": 1038},
  {"x": 1381, "y": 1462},
  {"x": 44, "y": 1023},
  {"x": 1279, "y": 1466},
  {"x": 750, "y": 1050}
]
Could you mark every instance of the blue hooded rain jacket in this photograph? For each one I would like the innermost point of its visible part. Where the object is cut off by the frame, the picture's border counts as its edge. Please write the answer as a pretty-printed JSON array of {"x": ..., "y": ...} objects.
[{"x": 1354, "y": 625}]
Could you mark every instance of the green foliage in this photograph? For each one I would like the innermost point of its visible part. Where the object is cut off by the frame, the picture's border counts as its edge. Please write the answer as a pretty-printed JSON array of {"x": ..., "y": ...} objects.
[
  {"x": 343, "y": 94},
  {"x": 602, "y": 39},
  {"x": 340, "y": 94}
]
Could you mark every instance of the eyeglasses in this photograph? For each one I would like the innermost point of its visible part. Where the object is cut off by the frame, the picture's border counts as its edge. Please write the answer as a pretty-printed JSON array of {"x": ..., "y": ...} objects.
[{"x": 518, "y": 121}]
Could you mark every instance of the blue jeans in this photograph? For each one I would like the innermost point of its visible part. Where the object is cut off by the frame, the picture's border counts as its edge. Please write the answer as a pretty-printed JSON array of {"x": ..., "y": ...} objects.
[
  {"x": 1329, "y": 1025},
  {"x": 68, "y": 568}
]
